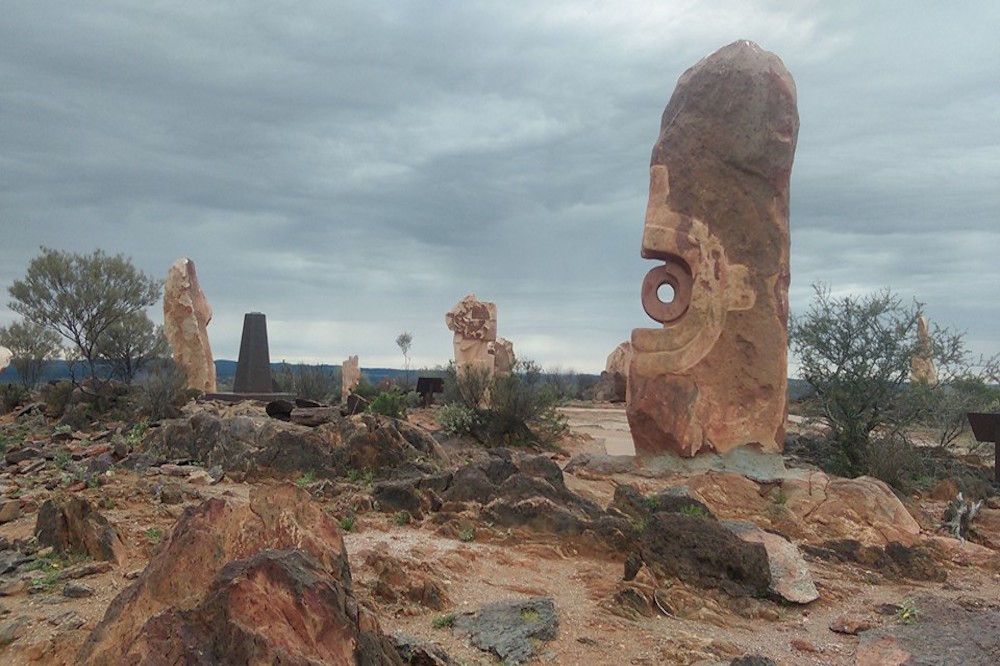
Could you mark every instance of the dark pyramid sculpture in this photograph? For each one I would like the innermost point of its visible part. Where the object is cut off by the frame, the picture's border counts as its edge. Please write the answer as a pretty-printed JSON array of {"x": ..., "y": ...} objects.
[{"x": 253, "y": 371}]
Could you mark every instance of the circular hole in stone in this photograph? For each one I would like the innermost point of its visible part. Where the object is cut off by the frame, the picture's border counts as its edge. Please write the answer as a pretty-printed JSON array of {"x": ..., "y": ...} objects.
[{"x": 665, "y": 292}]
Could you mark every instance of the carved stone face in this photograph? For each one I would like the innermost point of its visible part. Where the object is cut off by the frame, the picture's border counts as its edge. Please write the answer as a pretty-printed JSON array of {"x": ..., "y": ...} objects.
[{"x": 712, "y": 376}]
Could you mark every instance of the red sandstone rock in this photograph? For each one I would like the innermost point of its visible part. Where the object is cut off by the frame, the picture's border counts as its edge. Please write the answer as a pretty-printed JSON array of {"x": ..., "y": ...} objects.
[
  {"x": 68, "y": 522},
  {"x": 259, "y": 583},
  {"x": 186, "y": 314},
  {"x": 713, "y": 378},
  {"x": 816, "y": 508}
]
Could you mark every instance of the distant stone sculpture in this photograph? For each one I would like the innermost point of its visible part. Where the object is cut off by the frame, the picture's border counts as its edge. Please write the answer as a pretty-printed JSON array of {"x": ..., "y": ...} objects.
[
  {"x": 922, "y": 363},
  {"x": 619, "y": 360},
  {"x": 5, "y": 357},
  {"x": 186, "y": 315},
  {"x": 350, "y": 377},
  {"x": 474, "y": 323},
  {"x": 713, "y": 377},
  {"x": 502, "y": 350}
]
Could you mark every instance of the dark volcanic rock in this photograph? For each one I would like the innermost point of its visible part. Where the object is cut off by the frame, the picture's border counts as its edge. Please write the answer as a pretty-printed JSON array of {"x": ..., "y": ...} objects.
[
  {"x": 700, "y": 551},
  {"x": 895, "y": 560},
  {"x": 511, "y": 629}
]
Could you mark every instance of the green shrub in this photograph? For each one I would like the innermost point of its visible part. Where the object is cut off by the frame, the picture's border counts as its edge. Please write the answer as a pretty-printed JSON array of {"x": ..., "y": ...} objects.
[
  {"x": 389, "y": 403},
  {"x": 509, "y": 410},
  {"x": 457, "y": 419},
  {"x": 162, "y": 391},
  {"x": 312, "y": 382},
  {"x": 12, "y": 396},
  {"x": 444, "y": 621}
]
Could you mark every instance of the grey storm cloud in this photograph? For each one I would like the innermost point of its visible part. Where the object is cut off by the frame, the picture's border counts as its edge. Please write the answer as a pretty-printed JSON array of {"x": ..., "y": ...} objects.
[{"x": 354, "y": 169}]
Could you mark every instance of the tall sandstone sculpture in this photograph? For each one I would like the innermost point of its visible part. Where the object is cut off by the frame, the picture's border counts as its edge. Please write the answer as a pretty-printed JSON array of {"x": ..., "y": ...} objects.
[
  {"x": 713, "y": 377},
  {"x": 186, "y": 314},
  {"x": 474, "y": 323}
]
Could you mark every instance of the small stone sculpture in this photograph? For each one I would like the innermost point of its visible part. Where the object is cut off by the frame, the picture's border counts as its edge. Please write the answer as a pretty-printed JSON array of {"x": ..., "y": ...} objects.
[
  {"x": 502, "y": 350},
  {"x": 350, "y": 377},
  {"x": 713, "y": 377},
  {"x": 474, "y": 323},
  {"x": 186, "y": 315},
  {"x": 922, "y": 368}
]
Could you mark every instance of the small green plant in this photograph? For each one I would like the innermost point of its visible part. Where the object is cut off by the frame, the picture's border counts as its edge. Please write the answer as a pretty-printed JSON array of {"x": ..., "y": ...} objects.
[
  {"x": 62, "y": 459},
  {"x": 444, "y": 621},
  {"x": 62, "y": 429},
  {"x": 306, "y": 479},
  {"x": 389, "y": 403},
  {"x": 154, "y": 535},
  {"x": 45, "y": 583},
  {"x": 457, "y": 419},
  {"x": 467, "y": 536},
  {"x": 693, "y": 510},
  {"x": 908, "y": 612},
  {"x": 347, "y": 523},
  {"x": 652, "y": 502},
  {"x": 402, "y": 518},
  {"x": 367, "y": 477},
  {"x": 529, "y": 615}
]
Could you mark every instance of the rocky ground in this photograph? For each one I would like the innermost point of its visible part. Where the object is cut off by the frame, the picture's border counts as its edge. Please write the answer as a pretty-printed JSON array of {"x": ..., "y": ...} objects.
[{"x": 446, "y": 531}]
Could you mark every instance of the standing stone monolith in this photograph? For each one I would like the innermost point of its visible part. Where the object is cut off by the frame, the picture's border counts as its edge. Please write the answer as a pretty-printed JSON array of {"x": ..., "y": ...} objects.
[
  {"x": 253, "y": 369},
  {"x": 350, "y": 377},
  {"x": 922, "y": 368},
  {"x": 713, "y": 377},
  {"x": 186, "y": 315},
  {"x": 474, "y": 323}
]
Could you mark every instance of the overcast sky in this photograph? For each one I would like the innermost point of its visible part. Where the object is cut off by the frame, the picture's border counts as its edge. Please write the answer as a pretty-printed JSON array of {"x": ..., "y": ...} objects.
[{"x": 353, "y": 169}]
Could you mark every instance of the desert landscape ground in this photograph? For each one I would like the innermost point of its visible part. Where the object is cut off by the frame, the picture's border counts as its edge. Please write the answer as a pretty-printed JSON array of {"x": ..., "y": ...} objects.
[{"x": 421, "y": 571}]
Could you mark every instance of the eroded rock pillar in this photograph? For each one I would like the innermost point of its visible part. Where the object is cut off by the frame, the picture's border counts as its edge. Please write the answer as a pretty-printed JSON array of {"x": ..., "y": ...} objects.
[
  {"x": 186, "y": 315},
  {"x": 713, "y": 376}
]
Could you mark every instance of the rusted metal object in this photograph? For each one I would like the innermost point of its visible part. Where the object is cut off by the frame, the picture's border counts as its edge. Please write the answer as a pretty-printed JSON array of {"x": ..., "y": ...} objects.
[{"x": 986, "y": 428}]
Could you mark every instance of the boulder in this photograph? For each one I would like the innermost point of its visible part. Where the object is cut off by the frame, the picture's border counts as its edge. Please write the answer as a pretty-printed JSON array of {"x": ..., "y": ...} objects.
[
  {"x": 790, "y": 577},
  {"x": 186, "y": 315},
  {"x": 242, "y": 446},
  {"x": 701, "y": 551},
  {"x": 511, "y": 630},
  {"x": 258, "y": 583},
  {"x": 713, "y": 376},
  {"x": 70, "y": 523},
  {"x": 813, "y": 508}
]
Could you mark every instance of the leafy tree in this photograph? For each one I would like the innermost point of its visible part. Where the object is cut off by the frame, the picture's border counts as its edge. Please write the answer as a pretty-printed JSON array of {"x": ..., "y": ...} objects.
[
  {"x": 855, "y": 352},
  {"x": 33, "y": 346},
  {"x": 130, "y": 344},
  {"x": 81, "y": 296}
]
